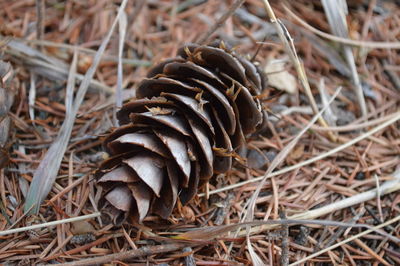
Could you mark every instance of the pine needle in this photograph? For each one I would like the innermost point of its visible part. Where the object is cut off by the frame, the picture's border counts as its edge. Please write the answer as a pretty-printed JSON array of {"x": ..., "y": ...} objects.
[{"x": 45, "y": 174}]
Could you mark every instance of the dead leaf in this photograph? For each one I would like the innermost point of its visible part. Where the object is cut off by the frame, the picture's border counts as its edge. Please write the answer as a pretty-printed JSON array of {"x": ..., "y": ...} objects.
[
  {"x": 188, "y": 214},
  {"x": 82, "y": 227},
  {"x": 280, "y": 78}
]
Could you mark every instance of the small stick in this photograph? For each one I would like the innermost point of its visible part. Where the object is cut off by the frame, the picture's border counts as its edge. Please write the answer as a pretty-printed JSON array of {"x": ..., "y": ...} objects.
[
  {"x": 40, "y": 14},
  {"x": 285, "y": 240},
  {"x": 36, "y": 226},
  {"x": 206, "y": 36},
  {"x": 140, "y": 252}
]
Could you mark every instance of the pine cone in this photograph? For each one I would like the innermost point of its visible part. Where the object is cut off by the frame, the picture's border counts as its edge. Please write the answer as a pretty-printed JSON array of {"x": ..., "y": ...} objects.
[{"x": 188, "y": 117}]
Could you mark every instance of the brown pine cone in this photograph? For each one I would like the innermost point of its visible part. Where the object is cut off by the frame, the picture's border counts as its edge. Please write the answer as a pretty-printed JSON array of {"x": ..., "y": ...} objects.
[{"x": 188, "y": 117}]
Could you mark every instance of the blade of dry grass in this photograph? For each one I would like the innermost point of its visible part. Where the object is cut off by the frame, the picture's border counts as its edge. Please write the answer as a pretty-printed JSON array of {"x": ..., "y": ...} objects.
[
  {"x": 373, "y": 45},
  {"x": 47, "y": 66},
  {"x": 47, "y": 170},
  {"x": 105, "y": 57},
  {"x": 336, "y": 12},
  {"x": 122, "y": 32},
  {"x": 27, "y": 52},
  {"x": 46, "y": 173},
  {"x": 255, "y": 259},
  {"x": 329, "y": 116},
  {"x": 7, "y": 95},
  {"x": 291, "y": 51},
  {"x": 122, "y": 23}
]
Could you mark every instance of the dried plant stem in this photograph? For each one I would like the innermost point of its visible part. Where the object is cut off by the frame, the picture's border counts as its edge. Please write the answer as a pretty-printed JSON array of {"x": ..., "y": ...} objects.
[
  {"x": 141, "y": 252},
  {"x": 291, "y": 51},
  {"x": 352, "y": 127},
  {"x": 37, "y": 226},
  {"x": 346, "y": 241},
  {"x": 374, "y": 45},
  {"x": 314, "y": 159},
  {"x": 285, "y": 240},
  {"x": 337, "y": 21},
  {"x": 206, "y": 36},
  {"x": 40, "y": 13},
  {"x": 122, "y": 23}
]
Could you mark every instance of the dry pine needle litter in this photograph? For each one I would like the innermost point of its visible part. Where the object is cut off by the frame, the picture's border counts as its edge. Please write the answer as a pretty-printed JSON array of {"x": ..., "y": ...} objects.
[{"x": 189, "y": 115}]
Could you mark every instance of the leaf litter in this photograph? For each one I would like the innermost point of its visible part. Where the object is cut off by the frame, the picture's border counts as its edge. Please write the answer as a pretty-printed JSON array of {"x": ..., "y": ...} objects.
[{"x": 329, "y": 180}]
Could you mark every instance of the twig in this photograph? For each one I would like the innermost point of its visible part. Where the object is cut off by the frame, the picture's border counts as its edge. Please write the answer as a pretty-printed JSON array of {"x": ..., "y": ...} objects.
[
  {"x": 37, "y": 226},
  {"x": 207, "y": 35},
  {"x": 40, "y": 14},
  {"x": 141, "y": 252},
  {"x": 285, "y": 240},
  {"x": 122, "y": 23}
]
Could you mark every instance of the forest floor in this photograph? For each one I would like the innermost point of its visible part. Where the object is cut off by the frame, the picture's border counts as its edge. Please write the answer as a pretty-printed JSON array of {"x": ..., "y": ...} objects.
[{"x": 340, "y": 177}]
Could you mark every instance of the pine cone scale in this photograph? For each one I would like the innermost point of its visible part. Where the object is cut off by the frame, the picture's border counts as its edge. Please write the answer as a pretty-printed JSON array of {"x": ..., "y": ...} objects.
[
  {"x": 204, "y": 144},
  {"x": 147, "y": 141},
  {"x": 172, "y": 122},
  {"x": 143, "y": 196},
  {"x": 119, "y": 174},
  {"x": 164, "y": 205},
  {"x": 220, "y": 101},
  {"x": 149, "y": 169},
  {"x": 192, "y": 107},
  {"x": 120, "y": 197},
  {"x": 178, "y": 149},
  {"x": 149, "y": 88}
]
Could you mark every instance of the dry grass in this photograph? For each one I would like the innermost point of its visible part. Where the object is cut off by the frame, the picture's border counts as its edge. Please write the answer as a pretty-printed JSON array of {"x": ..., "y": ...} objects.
[{"x": 346, "y": 183}]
